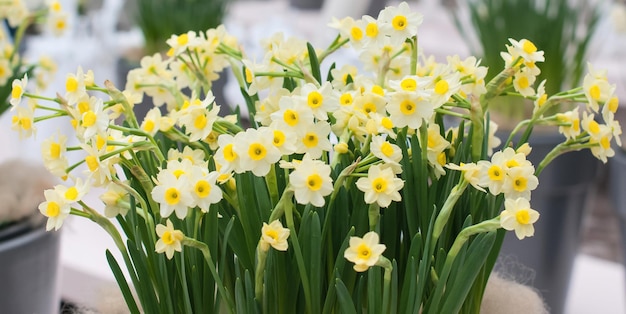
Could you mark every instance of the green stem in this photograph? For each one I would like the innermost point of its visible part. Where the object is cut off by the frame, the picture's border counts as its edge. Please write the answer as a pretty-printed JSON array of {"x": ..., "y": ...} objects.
[
  {"x": 209, "y": 260},
  {"x": 446, "y": 210}
]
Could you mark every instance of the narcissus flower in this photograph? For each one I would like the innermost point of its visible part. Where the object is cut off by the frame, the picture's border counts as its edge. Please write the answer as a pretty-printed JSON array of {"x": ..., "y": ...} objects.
[
  {"x": 274, "y": 235},
  {"x": 311, "y": 181},
  {"x": 381, "y": 186},
  {"x": 517, "y": 215},
  {"x": 364, "y": 252},
  {"x": 169, "y": 239}
]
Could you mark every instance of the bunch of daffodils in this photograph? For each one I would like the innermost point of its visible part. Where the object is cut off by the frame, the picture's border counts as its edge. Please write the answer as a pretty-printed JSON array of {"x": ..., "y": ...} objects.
[
  {"x": 374, "y": 187},
  {"x": 12, "y": 65}
]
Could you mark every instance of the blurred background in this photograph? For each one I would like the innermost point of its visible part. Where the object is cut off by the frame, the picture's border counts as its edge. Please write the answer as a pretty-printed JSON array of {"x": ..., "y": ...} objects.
[{"x": 110, "y": 36}]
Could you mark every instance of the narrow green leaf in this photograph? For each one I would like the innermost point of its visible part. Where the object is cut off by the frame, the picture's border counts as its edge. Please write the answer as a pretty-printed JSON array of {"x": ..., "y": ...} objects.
[
  {"x": 121, "y": 282},
  {"x": 315, "y": 64},
  {"x": 343, "y": 298}
]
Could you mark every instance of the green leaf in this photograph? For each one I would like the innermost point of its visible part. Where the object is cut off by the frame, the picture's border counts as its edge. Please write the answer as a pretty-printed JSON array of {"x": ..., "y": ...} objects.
[
  {"x": 315, "y": 64},
  {"x": 460, "y": 285},
  {"x": 121, "y": 282},
  {"x": 343, "y": 298}
]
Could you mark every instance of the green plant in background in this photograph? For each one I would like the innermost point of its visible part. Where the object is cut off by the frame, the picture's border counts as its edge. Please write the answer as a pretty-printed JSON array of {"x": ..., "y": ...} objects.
[
  {"x": 159, "y": 19},
  {"x": 12, "y": 64},
  {"x": 562, "y": 28}
]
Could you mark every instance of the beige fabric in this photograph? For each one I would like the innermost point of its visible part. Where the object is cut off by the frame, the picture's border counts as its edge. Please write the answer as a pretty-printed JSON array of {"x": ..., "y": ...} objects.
[{"x": 507, "y": 296}]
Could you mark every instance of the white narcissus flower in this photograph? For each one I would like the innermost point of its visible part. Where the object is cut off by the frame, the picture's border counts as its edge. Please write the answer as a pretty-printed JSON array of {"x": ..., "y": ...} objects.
[
  {"x": 23, "y": 122},
  {"x": 406, "y": 109},
  {"x": 18, "y": 88},
  {"x": 569, "y": 123},
  {"x": 275, "y": 235},
  {"x": 256, "y": 151},
  {"x": 172, "y": 193},
  {"x": 152, "y": 121},
  {"x": 403, "y": 22},
  {"x": 314, "y": 139},
  {"x": 523, "y": 82},
  {"x": 169, "y": 239},
  {"x": 53, "y": 151},
  {"x": 380, "y": 186},
  {"x": 364, "y": 252},
  {"x": 321, "y": 100},
  {"x": 519, "y": 182},
  {"x": 205, "y": 192},
  {"x": 311, "y": 181},
  {"x": 517, "y": 215},
  {"x": 387, "y": 152},
  {"x": 115, "y": 199},
  {"x": 75, "y": 86},
  {"x": 55, "y": 207}
]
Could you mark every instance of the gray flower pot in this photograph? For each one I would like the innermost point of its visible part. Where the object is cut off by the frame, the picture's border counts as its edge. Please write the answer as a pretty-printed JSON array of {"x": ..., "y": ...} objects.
[
  {"x": 29, "y": 264},
  {"x": 617, "y": 179},
  {"x": 566, "y": 188}
]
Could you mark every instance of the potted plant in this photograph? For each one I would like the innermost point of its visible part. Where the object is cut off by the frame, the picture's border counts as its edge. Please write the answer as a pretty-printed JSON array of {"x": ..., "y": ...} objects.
[
  {"x": 351, "y": 191},
  {"x": 29, "y": 256},
  {"x": 564, "y": 29},
  {"x": 182, "y": 16}
]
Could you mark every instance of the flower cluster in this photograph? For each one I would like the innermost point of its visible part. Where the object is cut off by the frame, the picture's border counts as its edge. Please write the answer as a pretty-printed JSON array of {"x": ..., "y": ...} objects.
[
  {"x": 399, "y": 148},
  {"x": 12, "y": 64}
]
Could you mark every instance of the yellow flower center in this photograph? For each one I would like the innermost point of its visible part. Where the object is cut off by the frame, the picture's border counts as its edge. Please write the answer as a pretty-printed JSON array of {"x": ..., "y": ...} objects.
[
  {"x": 16, "y": 92},
  {"x": 229, "y": 153},
  {"x": 71, "y": 84},
  {"x": 523, "y": 82},
  {"x": 511, "y": 163},
  {"x": 605, "y": 142},
  {"x": 257, "y": 151},
  {"x": 408, "y": 84},
  {"x": 148, "y": 126},
  {"x": 202, "y": 188},
  {"x": 53, "y": 209},
  {"x": 379, "y": 185},
  {"x": 441, "y": 87},
  {"x": 315, "y": 99},
  {"x": 314, "y": 182},
  {"x": 495, "y": 173},
  {"x": 341, "y": 148},
  {"x": 279, "y": 138},
  {"x": 310, "y": 140},
  {"x": 357, "y": 33},
  {"x": 167, "y": 237},
  {"x": 200, "y": 122},
  {"x": 441, "y": 158},
  {"x": 529, "y": 47},
  {"x": 60, "y": 24},
  {"x": 386, "y": 122},
  {"x": 89, "y": 119},
  {"x": 594, "y": 127},
  {"x": 92, "y": 163},
  {"x": 594, "y": 92},
  {"x": 249, "y": 76},
  {"x": 25, "y": 123},
  {"x": 369, "y": 108},
  {"x": 291, "y": 117},
  {"x": 363, "y": 251},
  {"x": 519, "y": 184},
  {"x": 55, "y": 150},
  {"x": 386, "y": 149},
  {"x": 182, "y": 39},
  {"x": 522, "y": 216},
  {"x": 178, "y": 172},
  {"x": 55, "y": 6},
  {"x": 71, "y": 194},
  {"x": 371, "y": 30},
  {"x": 83, "y": 106},
  {"x": 345, "y": 99},
  {"x": 378, "y": 90},
  {"x": 542, "y": 100},
  {"x": 272, "y": 234},
  {"x": 172, "y": 196},
  {"x": 407, "y": 107},
  {"x": 613, "y": 104},
  {"x": 399, "y": 22}
]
